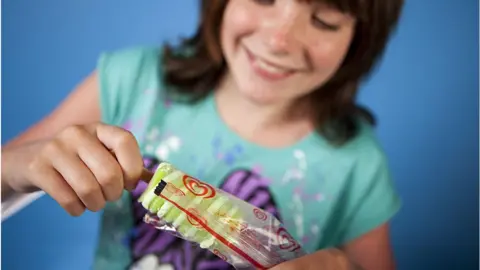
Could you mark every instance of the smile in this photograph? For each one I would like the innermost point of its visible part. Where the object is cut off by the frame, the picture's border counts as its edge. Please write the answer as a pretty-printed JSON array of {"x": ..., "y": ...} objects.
[{"x": 268, "y": 70}]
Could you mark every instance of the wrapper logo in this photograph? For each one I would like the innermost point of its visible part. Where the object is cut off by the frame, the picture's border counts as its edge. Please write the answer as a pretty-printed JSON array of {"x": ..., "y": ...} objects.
[
  {"x": 174, "y": 190},
  {"x": 193, "y": 216},
  {"x": 220, "y": 255},
  {"x": 286, "y": 241},
  {"x": 235, "y": 225},
  {"x": 260, "y": 214},
  {"x": 198, "y": 188}
]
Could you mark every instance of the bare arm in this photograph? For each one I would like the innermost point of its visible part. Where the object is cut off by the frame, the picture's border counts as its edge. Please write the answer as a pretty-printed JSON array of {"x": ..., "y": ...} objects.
[
  {"x": 80, "y": 107},
  {"x": 371, "y": 251}
]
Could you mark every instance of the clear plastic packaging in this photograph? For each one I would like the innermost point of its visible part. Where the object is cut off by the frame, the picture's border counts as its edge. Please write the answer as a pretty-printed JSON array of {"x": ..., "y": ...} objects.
[{"x": 236, "y": 231}]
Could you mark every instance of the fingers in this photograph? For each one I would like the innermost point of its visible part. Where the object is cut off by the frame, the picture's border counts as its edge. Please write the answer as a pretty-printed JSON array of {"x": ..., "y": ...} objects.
[
  {"x": 83, "y": 167},
  {"x": 126, "y": 150},
  {"x": 50, "y": 181},
  {"x": 100, "y": 162},
  {"x": 69, "y": 165}
]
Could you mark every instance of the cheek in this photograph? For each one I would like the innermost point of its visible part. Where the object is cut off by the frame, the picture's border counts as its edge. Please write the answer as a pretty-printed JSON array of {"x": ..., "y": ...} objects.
[
  {"x": 327, "y": 58},
  {"x": 328, "y": 52},
  {"x": 238, "y": 21}
]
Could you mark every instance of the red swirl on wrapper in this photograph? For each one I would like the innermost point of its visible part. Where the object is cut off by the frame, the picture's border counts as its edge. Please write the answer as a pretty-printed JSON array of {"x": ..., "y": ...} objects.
[
  {"x": 174, "y": 190},
  {"x": 198, "y": 188},
  {"x": 260, "y": 214},
  {"x": 286, "y": 241},
  {"x": 195, "y": 218},
  {"x": 220, "y": 255}
]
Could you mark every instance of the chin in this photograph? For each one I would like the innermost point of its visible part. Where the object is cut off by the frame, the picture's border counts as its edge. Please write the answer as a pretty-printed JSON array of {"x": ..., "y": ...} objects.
[{"x": 260, "y": 96}]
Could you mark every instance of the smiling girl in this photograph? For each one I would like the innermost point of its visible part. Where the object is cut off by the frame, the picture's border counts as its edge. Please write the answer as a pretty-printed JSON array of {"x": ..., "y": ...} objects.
[{"x": 259, "y": 102}]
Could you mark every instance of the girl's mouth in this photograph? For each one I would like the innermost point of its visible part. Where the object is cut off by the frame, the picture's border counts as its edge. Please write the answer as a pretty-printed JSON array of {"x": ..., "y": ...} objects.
[{"x": 268, "y": 70}]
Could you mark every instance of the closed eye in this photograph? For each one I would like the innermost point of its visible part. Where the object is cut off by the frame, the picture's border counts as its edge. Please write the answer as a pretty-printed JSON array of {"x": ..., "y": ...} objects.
[
  {"x": 321, "y": 24},
  {"x": 265, "y": 2}
]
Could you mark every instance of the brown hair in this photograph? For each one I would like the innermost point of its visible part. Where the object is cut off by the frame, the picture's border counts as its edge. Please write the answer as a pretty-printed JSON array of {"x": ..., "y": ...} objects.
[{"x": 197, "y": 72}]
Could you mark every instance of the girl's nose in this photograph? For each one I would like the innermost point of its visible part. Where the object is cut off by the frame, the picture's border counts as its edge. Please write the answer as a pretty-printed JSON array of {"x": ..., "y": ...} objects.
[
  {"x": 284, "y": 32},
  {"x": 280, "y": 40}
]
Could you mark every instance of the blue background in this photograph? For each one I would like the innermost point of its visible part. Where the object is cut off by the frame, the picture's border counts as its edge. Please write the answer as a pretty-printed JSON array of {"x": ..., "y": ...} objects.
[{"x": 425, "y": 94}]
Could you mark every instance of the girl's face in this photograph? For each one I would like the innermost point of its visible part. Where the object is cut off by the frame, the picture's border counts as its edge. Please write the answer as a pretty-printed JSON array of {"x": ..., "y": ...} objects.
[{"x": 279, "y": 50}]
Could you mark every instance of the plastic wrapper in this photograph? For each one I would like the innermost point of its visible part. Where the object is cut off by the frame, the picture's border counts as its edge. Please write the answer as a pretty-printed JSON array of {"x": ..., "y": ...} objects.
[{"x": 236, "y": 231}]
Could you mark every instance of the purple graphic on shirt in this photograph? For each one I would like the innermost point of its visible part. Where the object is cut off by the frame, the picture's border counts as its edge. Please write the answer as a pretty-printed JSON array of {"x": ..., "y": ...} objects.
[
  {"x": 227, "y": 154},
  {"x": 181, "y": 254}
]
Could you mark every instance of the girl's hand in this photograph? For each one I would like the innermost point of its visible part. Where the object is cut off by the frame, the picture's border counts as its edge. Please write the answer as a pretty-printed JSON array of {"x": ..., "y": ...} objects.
[
  {"x": 82, "y": 167},
  {"x": 328, "y": 259}
]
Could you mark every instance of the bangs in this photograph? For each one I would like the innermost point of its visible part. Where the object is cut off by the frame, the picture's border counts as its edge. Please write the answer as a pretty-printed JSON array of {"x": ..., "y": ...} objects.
[{"x": 355, "y": 8}]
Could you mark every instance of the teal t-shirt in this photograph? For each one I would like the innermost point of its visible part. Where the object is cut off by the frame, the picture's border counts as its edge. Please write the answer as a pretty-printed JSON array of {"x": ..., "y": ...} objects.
[{"x": 325, "y": 196}]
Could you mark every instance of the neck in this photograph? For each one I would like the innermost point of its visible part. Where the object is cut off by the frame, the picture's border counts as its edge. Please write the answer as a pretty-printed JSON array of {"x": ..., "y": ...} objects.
[
  {"x": 250, "y": 118},
  {"x": 228, "y": 96}
]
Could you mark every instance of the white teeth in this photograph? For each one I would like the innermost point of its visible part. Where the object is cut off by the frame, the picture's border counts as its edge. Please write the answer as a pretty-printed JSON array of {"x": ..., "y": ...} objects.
[{"x": 270, "y": 68}]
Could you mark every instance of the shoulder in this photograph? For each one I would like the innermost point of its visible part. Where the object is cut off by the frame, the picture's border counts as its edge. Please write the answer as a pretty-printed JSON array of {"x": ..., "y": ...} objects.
[
  {"x": 365, "y": 148},
  {"x": 133, "y": 54},
  {"x": 129, "y": 65},
  {"x": 125, "y": 76},
  {"x": 362, "y": 153},
  {"x": 356, "y": 167},
  {"x": 368, "y": 164},
  {"x": 360, "y": 157},
  {"x": 364, "y": 167}
]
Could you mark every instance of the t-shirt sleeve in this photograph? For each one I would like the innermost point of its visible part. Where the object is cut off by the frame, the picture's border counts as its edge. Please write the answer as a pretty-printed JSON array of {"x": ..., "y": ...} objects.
[
  {"x": 371, "y": 199},
  {"x": 123, "y": 76}
]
